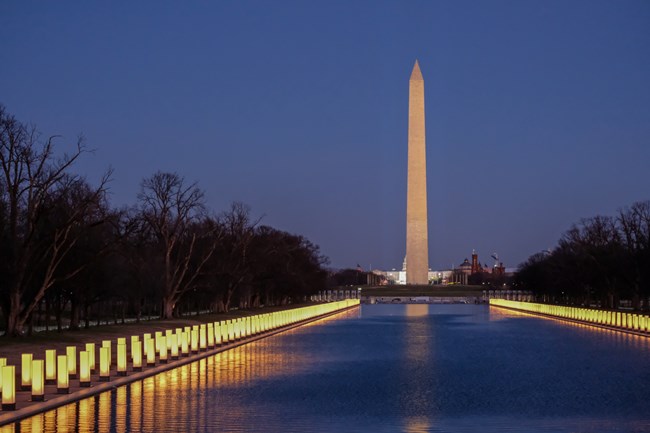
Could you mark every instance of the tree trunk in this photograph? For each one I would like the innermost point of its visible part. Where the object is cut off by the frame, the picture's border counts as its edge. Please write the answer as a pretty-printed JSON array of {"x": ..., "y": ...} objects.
[
  {"x": 14, "y": 325},
  {"x": 167, "y": 307},
  {"x": 226, "y": 300}
]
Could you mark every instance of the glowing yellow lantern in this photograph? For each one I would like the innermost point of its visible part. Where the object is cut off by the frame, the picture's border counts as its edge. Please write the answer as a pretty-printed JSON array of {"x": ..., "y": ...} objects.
[
  {"x": 203, "y": 339},
  {"x": 179, "y": 332},
  {"x": 71, "y": 352},
  {"x": 50, "y": 366},
  {"x": 217, "y": 334},
  {"x": 151, "y": 352},
  {"x": 90, "y": 348},
  {"x": 173, "y": 346},
  {"x": 107, "y": 344},
  {"x": 38, "y": 380},
  {"x": 224, "y": 332},
  {"x": 62, "y": 375},
  {"x": 26, "y": 372},
  {"x": 104, "y": 364},
  {"x": 145, "y": 347},
  {"x": 236, "y": 326},
  {"x": 3, "y": 362},
  {"x": 136, "y": 355},
  {"x": 185, "y": 350},
  {"x": 158, "y": 335},
  {"x": 121, "y": 358},
  {"x": 8, "y": 387},
  {"x": 210, "y": 336},
  {"x": 168, "y": 339},
  {"x": 84, "y": 368},
  {"x": 163, "y": 349},
  {"x": 195, "y": 340}
]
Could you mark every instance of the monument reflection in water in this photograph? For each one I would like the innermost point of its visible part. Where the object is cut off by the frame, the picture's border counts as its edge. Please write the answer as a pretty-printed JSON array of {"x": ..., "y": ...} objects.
[{"x": 412, "y": 368}]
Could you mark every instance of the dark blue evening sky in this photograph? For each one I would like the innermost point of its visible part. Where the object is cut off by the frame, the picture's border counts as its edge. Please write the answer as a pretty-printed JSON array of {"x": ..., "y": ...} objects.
[{"x": 538, "y": 112}]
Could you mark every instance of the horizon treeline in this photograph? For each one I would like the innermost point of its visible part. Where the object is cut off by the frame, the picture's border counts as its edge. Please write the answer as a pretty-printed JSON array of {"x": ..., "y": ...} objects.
[
  {"x": 599, "y": 261},
  {"x": 65, "y": 251}
]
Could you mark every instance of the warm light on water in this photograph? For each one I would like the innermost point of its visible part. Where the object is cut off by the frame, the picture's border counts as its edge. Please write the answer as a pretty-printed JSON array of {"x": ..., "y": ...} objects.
[{"x": 391, "y": 368}]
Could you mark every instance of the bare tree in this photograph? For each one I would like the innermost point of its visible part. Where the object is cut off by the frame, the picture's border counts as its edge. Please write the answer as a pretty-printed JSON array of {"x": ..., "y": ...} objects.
[
  {"x": 233, "y": 264},
  {"x": 34, "y": 239},
  {"x": 634, "y": 223},
  {"x": 172, "y": 211}
]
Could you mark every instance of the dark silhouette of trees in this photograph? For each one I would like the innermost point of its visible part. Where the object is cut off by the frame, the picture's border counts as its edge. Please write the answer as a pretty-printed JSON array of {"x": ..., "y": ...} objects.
[
  {"x": 600, "y": 261},
  {"x": 284, "y": 266},
  {"x": 173, "y": 214},
  {"x": 348, "y": 277},
  {"x": 65, "y": 253},
  {"x": 232, "y": 264},
  {"x": 44, "y": 212}
]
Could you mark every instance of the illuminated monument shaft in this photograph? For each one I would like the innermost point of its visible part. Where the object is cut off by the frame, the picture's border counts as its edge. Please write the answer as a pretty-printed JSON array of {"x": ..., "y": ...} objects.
[{"x": 417, "y": 243}]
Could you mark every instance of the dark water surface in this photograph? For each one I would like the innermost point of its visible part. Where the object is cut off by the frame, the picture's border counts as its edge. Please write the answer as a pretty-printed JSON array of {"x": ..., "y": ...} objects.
[{"x": 389, "y": 368}]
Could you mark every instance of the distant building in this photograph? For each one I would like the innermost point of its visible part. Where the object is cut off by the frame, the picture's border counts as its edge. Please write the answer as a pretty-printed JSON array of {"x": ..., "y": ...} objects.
[{"x": 465, "y": 273}]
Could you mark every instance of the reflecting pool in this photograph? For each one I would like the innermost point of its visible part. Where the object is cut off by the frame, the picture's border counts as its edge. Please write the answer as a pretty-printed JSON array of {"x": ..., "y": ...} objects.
[{"x": 387, "y": 368}]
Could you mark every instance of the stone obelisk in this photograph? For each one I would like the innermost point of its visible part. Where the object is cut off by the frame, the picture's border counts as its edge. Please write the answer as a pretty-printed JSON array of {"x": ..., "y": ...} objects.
[{"x": 417, "y": 242}]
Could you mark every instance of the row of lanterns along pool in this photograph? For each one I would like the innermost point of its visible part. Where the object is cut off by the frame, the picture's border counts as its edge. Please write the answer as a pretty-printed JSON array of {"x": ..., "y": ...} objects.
[
  {"x": 85, "y": 366},
  {"x": 615, "y": 319}
]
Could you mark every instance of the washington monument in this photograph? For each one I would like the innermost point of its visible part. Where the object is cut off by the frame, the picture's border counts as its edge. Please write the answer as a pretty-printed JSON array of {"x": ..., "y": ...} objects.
[{"x": 417, "y": 246}]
